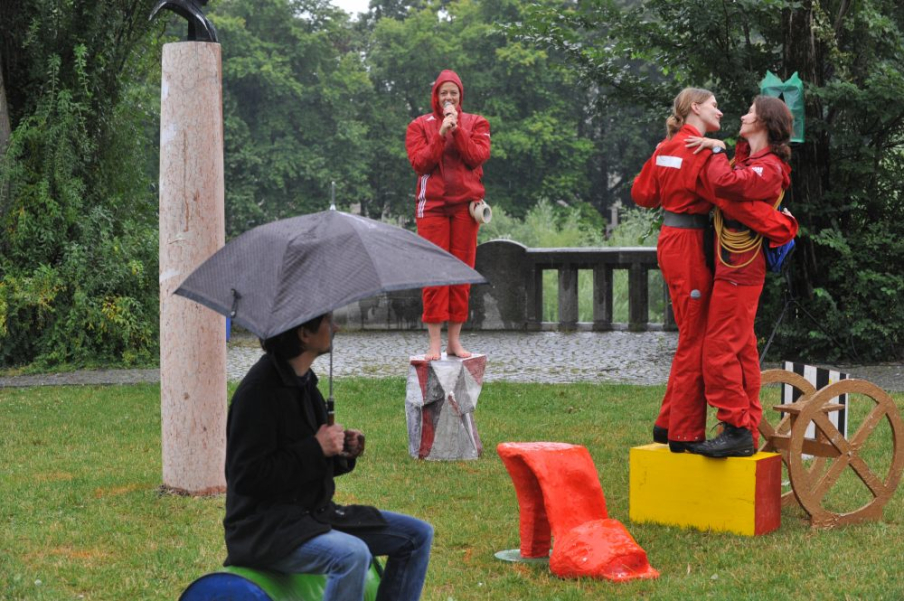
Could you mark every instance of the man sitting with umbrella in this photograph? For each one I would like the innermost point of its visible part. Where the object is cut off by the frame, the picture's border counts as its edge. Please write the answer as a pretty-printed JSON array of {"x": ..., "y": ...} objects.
[
  {"x": 282, "y": 453},
  {"x": 282, "y": 450}
]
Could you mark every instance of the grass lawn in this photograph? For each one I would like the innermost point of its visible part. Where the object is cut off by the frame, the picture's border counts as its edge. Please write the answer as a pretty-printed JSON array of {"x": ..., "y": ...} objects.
[{"x": 81, "y": 517}]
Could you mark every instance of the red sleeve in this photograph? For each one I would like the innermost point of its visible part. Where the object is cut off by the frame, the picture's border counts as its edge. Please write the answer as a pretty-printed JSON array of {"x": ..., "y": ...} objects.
[
  {"x": 473, "y": 145},
  {"x": 425, "y": 147},
  {"x": 758, "y": 215},
  {"x": 645, "y": 190},
  {"x": 758, "y": 181}
]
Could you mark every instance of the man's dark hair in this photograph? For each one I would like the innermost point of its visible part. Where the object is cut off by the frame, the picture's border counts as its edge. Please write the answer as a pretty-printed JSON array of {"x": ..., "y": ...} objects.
[{"x": 286, "y": 345}]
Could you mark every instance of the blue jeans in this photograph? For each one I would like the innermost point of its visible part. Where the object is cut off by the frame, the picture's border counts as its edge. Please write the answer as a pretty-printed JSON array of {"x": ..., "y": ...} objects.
[{"x": 345, "y": 559}]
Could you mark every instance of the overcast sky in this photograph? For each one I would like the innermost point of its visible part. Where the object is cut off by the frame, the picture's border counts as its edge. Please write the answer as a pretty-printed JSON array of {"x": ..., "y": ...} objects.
[{"x": 352, "y": 7}]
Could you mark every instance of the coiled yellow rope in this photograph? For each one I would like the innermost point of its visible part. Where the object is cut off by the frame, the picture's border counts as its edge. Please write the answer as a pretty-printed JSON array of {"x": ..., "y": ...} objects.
[{"x": 737, "y": 242}]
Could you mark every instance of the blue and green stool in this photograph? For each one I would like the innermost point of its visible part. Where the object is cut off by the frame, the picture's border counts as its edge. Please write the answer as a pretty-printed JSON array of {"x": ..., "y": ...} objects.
[{"x": 247, "y": 584}]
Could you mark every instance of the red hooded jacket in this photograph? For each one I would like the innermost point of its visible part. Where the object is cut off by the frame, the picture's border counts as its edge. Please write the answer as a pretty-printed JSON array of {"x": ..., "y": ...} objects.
[
  {"x": 747, "y": 193},
  {"x": 450, "y": 168}
]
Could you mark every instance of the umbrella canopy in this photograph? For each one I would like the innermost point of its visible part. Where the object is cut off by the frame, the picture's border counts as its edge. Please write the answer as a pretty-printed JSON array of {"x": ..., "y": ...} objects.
[{"x": 282, "y": 274}]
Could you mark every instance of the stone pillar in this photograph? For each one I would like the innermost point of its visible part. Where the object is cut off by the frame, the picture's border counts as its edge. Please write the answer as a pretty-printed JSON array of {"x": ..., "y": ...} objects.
[
  {"x": 602, "y": 298},
  {"x": 638, "y": 300},
  {"x": 501, "y": 304},
  {"x": 568, "y": 298},
  {"x": 192, "y": 228}
]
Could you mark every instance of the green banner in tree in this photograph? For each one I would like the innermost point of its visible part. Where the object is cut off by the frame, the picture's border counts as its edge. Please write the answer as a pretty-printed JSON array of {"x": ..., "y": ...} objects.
[{"x": 792, "y": 92}]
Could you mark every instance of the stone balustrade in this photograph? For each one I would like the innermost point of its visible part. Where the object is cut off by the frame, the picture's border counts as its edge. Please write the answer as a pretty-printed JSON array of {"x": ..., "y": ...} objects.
[{"x": 513, "y": 299}]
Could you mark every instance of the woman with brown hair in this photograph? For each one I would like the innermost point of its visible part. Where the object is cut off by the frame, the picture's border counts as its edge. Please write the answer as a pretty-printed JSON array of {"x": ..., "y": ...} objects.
[{"x": 758, "y": 178}]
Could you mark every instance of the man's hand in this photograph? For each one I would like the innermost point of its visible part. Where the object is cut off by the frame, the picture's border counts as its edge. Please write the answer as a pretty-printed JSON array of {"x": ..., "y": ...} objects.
[
  {"x": 354, "y": 444},
  {"x": 331, "y": 439}
]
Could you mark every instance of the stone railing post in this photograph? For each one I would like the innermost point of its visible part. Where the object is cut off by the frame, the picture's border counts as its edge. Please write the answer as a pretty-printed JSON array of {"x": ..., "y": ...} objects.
[
  {"x": 602, "y": 297},
  {"x": 501, "y": 304},
  {"x": 568, "y": 297},
  {"x": 638, "y": 298}
]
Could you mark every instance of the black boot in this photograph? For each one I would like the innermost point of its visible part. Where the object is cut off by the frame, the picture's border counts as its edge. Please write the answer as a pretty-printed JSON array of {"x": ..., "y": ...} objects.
[
  {"x": 732, "y": 442},
  {"x": 680, "y": 446},
  {"x": 660, "y": 435}
]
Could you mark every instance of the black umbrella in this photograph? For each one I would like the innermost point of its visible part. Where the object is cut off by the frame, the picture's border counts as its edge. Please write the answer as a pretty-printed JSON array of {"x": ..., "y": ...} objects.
[{"x": 280, "y": 275}]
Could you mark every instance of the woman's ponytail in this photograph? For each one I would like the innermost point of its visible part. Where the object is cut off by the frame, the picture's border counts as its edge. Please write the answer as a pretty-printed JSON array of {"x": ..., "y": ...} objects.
[{"x": 673, "y": 124}]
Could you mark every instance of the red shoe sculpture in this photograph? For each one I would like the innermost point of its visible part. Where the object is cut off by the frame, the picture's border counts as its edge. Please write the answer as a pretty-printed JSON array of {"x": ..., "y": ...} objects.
[{"x": 559, "y": 496}]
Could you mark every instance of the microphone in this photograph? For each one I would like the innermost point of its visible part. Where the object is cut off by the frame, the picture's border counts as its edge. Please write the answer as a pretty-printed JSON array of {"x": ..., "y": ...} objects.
[{"x": 448, "y": 108}]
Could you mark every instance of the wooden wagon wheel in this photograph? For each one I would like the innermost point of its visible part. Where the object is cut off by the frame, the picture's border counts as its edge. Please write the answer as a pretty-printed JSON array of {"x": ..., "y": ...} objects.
[
  {"x": 776, "y": 439},
  {"x": 811, "y": 487}
]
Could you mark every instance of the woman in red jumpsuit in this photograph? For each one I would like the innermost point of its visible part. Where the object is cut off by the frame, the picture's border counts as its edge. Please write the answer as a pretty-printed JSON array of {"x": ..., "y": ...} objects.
[
  {"x": 447, "y": 149},
  {"x": 675, "y": 179},
  {"x": 731, "y": 370}
]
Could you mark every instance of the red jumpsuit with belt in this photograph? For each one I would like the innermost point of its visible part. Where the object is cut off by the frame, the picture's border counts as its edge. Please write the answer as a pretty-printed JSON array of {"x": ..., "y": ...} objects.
[
  {"x": 676, "y": 179},
  {"x": 731, "y": 370},
  {"x": 670, "y": 179},
  {"x": 450, "y": 174}
]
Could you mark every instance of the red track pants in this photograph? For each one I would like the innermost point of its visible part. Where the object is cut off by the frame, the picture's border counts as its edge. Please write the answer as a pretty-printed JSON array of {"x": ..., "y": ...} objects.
[
  {"x": 731, "y": 367},
  {"x": 453, "y": 229},
  {"x": 680, "y": 254}
]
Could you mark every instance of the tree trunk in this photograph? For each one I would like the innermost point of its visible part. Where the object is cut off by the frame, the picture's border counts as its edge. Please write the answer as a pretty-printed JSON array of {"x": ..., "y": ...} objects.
[
  {"x": 810, "y": 162},
  {"x": 5, "y": 133},
  {"x": 5, "y": 130}
]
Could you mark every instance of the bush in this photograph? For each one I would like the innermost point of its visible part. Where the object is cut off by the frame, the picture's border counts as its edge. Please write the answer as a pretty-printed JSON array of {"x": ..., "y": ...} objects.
[{"x": 78, "y": 269}]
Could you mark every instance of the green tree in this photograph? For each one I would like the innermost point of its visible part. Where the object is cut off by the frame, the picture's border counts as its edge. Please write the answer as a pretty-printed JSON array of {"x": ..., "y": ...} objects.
[
  {"x": 846, "y": 187},
  {"x": 295, "y": 96},
  {"x": 78, "y": 260},
  {"x": 539, "y": 150}
]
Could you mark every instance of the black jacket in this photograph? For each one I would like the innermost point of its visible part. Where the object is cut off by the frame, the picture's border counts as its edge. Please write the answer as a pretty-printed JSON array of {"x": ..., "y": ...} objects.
[{"x": 279, "y": 485}]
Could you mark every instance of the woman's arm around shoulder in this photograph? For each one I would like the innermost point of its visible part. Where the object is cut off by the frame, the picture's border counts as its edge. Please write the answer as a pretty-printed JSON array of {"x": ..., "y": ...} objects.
[{"x": 758, "y": 179}]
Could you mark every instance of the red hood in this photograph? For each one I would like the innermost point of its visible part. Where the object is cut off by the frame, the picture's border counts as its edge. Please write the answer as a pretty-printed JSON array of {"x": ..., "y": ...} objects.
[{"x": 447, "y": 75}]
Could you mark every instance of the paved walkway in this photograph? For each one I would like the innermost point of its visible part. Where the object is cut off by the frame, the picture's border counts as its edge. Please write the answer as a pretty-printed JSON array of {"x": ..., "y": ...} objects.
[{"x": 547, "y": 357}]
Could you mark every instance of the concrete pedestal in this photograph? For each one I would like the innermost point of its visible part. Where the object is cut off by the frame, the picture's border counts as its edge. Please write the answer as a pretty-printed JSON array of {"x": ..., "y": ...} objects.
[
  {"x": 192, "y": 228},
  {"x": 439, "y": 407}
]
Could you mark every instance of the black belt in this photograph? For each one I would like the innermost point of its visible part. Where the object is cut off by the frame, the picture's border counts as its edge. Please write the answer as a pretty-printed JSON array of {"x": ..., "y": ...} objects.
[{"x": 685, "y": 220}]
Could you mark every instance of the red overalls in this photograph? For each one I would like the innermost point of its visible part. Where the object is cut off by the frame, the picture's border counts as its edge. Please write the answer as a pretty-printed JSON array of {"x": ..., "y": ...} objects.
[
  {"x": 670, "y": 178},
  {"x": 731, "y": 369},
  {"x": 449, "y": 173}
]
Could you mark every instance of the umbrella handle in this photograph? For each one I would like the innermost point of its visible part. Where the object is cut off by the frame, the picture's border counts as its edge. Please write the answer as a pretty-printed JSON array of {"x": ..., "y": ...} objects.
[{"x": 330, "y": 412}]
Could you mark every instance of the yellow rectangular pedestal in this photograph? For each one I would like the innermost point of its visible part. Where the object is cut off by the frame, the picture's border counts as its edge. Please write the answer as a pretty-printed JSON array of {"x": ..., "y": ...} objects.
[{"x": 738, "y": 494}]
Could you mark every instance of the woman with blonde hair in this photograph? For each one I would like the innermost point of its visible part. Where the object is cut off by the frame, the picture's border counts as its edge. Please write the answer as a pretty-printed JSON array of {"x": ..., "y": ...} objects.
[{"x": 671, "y": 179}]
